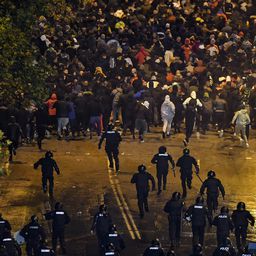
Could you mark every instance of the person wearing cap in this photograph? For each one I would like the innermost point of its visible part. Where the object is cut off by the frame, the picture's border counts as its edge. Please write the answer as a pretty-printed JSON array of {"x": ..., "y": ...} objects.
[
  {"x": 162, "y": 160},
  {"x": 241, "y": 218},
  {"x": 167, "y": 114},
  {"x": 154, "y": 249},
  {"x": 186, "y": 163},
  {"x": 142, "y": 119},
  {"x": 113, "y": 140},
  {"x": 48, "y": 166},
  {"x": 13, "y": 134},
  {"x": 241, "y": 119},
  {"x": 198, "y": 214},
  {"x": 141, "y": 180},
  {"x": 34, "y": 235},
  {"x": 101, "y": 223},
  {"x": 223, "y": 225},
  {"x": 114, "y": 238},
  {"x": 191, "y": 104},
  {"x": 213, "y": 186},
  {"x": 174, "y": 208},
  {"x": 60, "y": 219}
]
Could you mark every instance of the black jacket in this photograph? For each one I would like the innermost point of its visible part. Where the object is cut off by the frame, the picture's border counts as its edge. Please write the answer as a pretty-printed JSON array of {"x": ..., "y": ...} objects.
[
  {"x": 185, "y": 163},
  {"x": 223, "y": 224},
  {"x": 198, "y": 213},
  {"x": 48, "y": 166},
  {"x": 113, "y": 139},
  {"x": 4, "y": 226},
  {"x": 174, "y": 208},
  {"x": 101, "y": 223},
  {"x": 141, "y": 180},
  {"x": 62, "y": 108},
  {"x": 154, "y": 251},
  {"x": 115, "y": 239},
  {"x": 33, "y": 232},
  {"x": 242, "y": 218},
  {"x": 59, "y": 219},
  {"x": 13, "y": 132},
  {"x": 213, "y": 186},
  {"x": 162, "y": 162}
]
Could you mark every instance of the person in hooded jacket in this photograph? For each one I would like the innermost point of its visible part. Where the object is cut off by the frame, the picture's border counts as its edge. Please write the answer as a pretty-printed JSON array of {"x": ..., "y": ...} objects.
[
  {"x": 241, "y": 119},
  {"x": 167, "y": 114},
  {"x": 141, "y": 180},
  {"x": 174, "y": 208},
  {"x": 191, "y": 105},
  {"x": 51, "y": 110}
]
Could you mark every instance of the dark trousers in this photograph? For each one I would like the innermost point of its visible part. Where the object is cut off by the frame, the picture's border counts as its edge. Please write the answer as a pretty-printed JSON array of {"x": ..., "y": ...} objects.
[
  {"x": 113, "y": 153},
  {"x": 174, "y": 230},
  {"x": 220, "y": 120},
  {"x": 142, "y": 201},
  {"x": 212, "y": 202},
  {"x": 161, "y": 176},
  {"x": 206, "y": 117},
  {"x": 189, "y": 123},
  {"x": 241, "y": 234},
  {"x": 51, "y": 184},
  {"x": 32, "y": 248},
  {"x": 58, "y": 235},
  {"x": 40, "y": 135},
  {"x": 221, "y": 237},
  {"x": 12, "y": 149},
  {"x": 186, "y": 181},
  {"x": 198, "y": 234}
]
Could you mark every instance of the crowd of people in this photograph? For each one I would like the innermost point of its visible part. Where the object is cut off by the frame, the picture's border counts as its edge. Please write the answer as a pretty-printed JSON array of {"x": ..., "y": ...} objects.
[{"x": 182, "y": 65}]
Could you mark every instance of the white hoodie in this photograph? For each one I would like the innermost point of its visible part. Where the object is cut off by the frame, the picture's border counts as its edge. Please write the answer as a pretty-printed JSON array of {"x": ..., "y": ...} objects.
[{"x": 167, "y": 109}]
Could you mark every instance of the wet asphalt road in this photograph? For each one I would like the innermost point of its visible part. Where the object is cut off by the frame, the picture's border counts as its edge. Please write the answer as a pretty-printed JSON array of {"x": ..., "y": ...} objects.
[{"x": 85, "y": 182}]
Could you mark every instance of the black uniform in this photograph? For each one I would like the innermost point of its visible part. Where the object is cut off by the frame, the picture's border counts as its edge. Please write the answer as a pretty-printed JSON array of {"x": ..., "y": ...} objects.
[
  {"x": 241, "y": 219},
  {"x": 34, "y": 234},
  {"x": 224, "y": 225},
  {"x": 45, "y": 251},
  {"x": 198, "y": 214},
  {"x": 141, "y": 180},
  {"x": 185, "y": 163},
  {"x": 162, "y": 166},
  {"x": 174, "y": 209},
  {"x": 154, "y": 250},
  {"x": 115, "y": 239},
  {"x": 9, "y": 247},
  {"x": 225, "y": 250},
  {"x": 213, "y": 186},
  {"x": 48, "y": 166},
  {"x": 111, "y": 253},
  {"x": 113, "y": 140},
  {"x": 4, "y": 226},
  {"x": 59, "y": 219},
  {"x": 101, "y": 223}
]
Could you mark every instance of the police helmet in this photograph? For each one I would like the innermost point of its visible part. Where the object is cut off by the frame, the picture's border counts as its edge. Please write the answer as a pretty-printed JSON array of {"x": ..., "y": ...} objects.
[
  {"x": 142, "y": 168},
  {"x": 103, "y": 208},
  {"x": 110, "y": 127},
  {"x": 211, "y": 174},
  {"x": 200, "y": 200},
  {"x": 198, "y": 249},
  {"x": 49, "y": 154},
  {"x": 241, "y": 206},
  {"x": 155, "y": 242},
  {"x": 162, "y": 149},
  {"x": 186, "y": 151},
  {"x": 176, "y": 196},
  {"x": 34, "y": 218},
  {"x": 112, "y": 228},
  {"x": 224, "y": 209},
  {"x": 58, "y": 206}
]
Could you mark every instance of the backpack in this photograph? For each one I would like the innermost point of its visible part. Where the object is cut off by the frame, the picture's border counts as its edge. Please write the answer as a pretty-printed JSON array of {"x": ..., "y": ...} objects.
[{"x": 191, "y": 107}]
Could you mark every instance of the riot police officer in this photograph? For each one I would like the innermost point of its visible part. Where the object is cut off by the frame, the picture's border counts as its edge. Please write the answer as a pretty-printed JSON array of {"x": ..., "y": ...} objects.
[
  {"x": 225, "y": 249},
  {"x": 59, "y": 219},
  {"x": 185, "y": 163},
  {"x": 113, "y": 140},
  {"x": 141, "y": 180},
  {"x": 241, "y": 218},
  {"x": 198, "y": 214},
  {"x": 8, "y": 246},
  {"x": 223, "y": 224},
  {"x": 49, "y": 165},
  {"x": 162, "y": 160},
  {"x": 213, "y": 186},
  {"x": 34, "y": 234},
  {"x": 114, "y": 238},
  {"x": 101, "y": 223},
  {"x": 111, "y": 251},
  {"x": 174, "y": 208},
  {"x": 4, "y": 226},
  {"x": 154, "y": 249},
  {"x": 197, "y": 250}
]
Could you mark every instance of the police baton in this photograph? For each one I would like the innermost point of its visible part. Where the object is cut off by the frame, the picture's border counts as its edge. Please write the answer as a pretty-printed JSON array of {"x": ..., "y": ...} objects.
[{"x": 199, "y": 177}]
